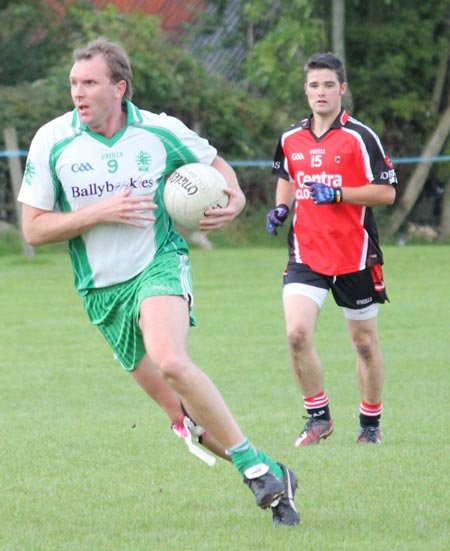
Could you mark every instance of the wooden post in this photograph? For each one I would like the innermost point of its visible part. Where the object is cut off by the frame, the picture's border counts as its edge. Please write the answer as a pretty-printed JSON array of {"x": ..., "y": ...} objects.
[{"x": 15, "y": 169}]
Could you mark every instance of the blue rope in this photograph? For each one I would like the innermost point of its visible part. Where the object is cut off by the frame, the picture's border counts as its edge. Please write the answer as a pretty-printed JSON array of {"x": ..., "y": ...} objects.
[{"x": 261, "y": 163}]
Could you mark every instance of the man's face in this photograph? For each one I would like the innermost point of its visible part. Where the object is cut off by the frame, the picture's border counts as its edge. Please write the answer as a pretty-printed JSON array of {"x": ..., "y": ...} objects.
[
  {"x": 95, "y": 97},
  {"x": 324, "y": 92}
]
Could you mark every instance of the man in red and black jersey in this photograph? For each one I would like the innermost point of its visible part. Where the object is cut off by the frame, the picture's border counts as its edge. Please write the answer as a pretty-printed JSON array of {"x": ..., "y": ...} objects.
[{"x": 331, "y": 171}]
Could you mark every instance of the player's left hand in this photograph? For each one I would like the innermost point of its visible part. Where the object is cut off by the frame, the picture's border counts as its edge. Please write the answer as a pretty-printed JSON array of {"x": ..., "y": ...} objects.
[
  {"x": 218, "y": 217},
  {"x": 322, "y": 194},
  {"x": 276, "y": 218}
]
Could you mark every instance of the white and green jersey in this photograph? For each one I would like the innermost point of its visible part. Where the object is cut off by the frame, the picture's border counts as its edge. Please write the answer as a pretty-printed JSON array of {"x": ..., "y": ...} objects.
[{"x": 70, "y": 167}]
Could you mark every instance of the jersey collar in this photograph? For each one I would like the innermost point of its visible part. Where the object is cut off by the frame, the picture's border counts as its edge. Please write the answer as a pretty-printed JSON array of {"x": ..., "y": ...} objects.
[
  {"x": 339, "y": 121},
  {"x": 133, "y": 114}
]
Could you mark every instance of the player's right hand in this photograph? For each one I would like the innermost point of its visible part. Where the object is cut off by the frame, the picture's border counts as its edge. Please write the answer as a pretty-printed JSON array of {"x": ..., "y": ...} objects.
[
  {"x": 276, "y": 218},
  {"x": 124, "y": 208},
  {"x": 323, "y": 194}
]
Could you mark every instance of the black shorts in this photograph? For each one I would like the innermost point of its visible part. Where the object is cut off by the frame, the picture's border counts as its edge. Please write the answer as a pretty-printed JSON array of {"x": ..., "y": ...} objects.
[{"x": 356, "y": 290}]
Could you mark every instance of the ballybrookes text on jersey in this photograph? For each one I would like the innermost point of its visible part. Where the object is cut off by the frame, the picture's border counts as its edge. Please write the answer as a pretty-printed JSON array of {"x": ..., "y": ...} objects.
[{"x": 100, "y": 189}]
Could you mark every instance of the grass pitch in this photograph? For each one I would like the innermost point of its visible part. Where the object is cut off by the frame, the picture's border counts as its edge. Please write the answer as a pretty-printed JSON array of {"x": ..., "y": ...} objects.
[{"x": 88, "y": 463}]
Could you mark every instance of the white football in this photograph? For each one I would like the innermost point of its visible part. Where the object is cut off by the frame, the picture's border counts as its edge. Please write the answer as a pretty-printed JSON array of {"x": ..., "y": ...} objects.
[{"x": 190, "y": 190}]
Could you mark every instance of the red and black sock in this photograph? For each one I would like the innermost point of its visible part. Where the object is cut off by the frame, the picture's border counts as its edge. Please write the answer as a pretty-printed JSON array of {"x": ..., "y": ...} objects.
[
  {"x": 370, "y": 414},
  {"x": 318, "y": 406}
]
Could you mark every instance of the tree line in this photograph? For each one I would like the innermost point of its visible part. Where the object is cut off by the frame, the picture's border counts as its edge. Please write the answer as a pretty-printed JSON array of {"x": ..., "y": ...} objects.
[{"x": 396, "y": 54}]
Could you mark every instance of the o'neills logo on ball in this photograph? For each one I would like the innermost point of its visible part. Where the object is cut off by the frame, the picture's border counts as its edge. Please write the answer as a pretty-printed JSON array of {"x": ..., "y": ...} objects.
[{"x": 185, "y": 183}]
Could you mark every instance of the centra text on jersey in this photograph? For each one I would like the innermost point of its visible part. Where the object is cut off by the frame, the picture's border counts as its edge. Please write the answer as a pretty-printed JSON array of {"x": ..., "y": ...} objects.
[{"x": 333, "y": 180}]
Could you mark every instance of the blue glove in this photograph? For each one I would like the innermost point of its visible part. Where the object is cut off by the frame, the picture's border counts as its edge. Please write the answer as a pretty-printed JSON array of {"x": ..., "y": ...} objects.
[
  {"x": 322, "y": 194},
  {"x": 276, "y": 218}
]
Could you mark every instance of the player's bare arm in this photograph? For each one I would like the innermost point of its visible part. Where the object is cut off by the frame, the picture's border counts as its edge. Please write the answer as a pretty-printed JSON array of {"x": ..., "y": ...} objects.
[
  {"x": 372, "y": 195},
  {"x": 369, "y": 195},
  {"x": 285, "y": 193},
  {"x": 41, "y": 226},
  {"x": 284, "y": 198},
  {"x": 216, "y": 218}
]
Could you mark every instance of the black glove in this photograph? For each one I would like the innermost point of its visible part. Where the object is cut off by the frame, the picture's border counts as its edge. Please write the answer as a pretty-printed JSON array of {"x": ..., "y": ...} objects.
[
  {"x": 276, "y": 218},
  {"x": 322, "y": 194}
]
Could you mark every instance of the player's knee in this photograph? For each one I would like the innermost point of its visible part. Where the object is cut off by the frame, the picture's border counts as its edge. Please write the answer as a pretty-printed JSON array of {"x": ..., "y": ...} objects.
[
  {"x": 172, "y": 369},
  {"x": 364, "y": 351},
  {"x": 298, "y": 339},
  {"x": 365, "y": 347}
]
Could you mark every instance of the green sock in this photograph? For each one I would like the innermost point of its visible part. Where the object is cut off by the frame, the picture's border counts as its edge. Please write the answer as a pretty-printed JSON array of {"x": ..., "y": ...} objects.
[
  {"x": 273, "y": 465},
  {"x": 244, "y": 456}
]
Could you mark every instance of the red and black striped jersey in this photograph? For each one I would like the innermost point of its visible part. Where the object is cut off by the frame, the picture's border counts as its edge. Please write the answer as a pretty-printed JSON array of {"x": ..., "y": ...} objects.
[{"x": 333, "y": 239}]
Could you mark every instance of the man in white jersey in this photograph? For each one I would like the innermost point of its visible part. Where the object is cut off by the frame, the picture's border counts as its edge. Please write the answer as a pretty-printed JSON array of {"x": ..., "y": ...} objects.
[{"x": 95, "y": 177}]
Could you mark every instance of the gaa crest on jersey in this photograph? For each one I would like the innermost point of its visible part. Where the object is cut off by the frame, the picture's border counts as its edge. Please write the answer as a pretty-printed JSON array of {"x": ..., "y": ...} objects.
[
  {"x": 297, "y": 157},
  {"x": 81, "y": 167},
  {"x": 337, "y": 159},
  {"x": 143, "y": 161}
]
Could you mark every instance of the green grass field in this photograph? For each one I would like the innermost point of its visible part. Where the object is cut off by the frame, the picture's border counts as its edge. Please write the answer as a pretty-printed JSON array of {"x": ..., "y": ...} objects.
[{"x": 88, "y": 463}]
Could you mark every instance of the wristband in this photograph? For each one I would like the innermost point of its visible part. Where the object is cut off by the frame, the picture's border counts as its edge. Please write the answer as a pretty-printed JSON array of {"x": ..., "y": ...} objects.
[{"x": 338, "y": 195}]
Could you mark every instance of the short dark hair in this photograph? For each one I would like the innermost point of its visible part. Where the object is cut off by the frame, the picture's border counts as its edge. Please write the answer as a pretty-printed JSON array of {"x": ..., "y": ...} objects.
[
  {"x": 326, "y": 61},
  {"x": 116, "y": 58}
]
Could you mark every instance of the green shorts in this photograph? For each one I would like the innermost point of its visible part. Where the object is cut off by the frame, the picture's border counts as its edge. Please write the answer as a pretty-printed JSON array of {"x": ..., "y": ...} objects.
[{"x": 115, "y": 310}]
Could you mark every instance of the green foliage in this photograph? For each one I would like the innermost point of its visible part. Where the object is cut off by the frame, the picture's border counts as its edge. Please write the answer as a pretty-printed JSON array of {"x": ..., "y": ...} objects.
[
  {"x": 392, "y": 59},
  {"x": 166, "y": 78},
  {"x": 274, "y": 67},
  {"x": 30, "y": 105},
  {"x": 392, "y": 49},
  {"x": 33, "y": 36},
  {"x": 277, "y": 38}
]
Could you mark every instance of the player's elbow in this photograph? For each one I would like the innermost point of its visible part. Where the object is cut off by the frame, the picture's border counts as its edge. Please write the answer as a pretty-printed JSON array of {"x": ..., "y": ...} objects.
[
  {"x": 387, "y": 195},
  {"x": 31, "y": 237},
  {"x": 31, "y": 233},
  {"x": 33, "y": 226},
  {"x": 390, "y": 195}
]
